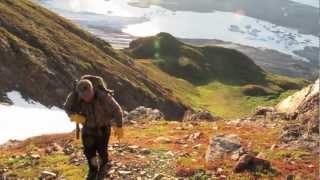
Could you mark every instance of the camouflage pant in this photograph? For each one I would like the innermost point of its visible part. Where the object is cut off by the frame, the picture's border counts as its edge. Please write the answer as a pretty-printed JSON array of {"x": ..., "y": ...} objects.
[{"x": 96, "y": 144}]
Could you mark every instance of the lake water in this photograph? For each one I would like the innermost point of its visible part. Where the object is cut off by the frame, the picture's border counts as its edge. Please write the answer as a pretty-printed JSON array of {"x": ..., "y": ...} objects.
[
  {"x": 226, "y": 26},
  {"x": 233, "y": 27},
  {"x": 28, "y": 118}
]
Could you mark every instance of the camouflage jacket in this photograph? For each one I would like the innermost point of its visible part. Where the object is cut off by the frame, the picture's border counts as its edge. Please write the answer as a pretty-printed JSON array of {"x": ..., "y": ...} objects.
[{"x": 99, "y": 113}]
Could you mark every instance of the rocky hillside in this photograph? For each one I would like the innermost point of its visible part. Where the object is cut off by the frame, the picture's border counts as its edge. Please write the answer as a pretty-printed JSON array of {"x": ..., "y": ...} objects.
[
  {"x": 247, "y": 148},
  {"x": 42, "y": 54}
]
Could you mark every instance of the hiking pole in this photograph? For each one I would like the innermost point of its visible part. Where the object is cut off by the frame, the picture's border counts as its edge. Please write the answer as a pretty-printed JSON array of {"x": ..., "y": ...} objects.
[{"x": 77, "y": 131}]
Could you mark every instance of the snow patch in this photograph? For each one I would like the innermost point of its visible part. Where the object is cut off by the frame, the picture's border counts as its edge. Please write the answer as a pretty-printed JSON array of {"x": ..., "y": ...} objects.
[{"x": 30, "y": 118}]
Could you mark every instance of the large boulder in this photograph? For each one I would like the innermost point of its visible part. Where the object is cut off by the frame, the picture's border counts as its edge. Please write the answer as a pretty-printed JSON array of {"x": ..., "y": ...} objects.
[
  {"x": 142, "y": 112},
  {"x": 222, "y": 145},
  {"x": 301, "y": 103}
]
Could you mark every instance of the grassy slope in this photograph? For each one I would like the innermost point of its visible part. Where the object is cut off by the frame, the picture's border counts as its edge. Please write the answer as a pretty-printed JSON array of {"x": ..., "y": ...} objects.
[
  {"x": 222, "y": 99},
  {"x": 220, "y": 80},
  {"x": 38, "y": 47}
]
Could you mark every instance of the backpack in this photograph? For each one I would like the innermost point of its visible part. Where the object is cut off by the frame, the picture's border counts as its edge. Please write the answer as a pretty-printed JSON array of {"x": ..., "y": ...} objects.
[{"x": 98, "y": 83}]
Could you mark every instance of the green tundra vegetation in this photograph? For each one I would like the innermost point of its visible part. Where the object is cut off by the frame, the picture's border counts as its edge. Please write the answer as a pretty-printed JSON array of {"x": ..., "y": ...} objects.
[{"x": 223, "y": 81}]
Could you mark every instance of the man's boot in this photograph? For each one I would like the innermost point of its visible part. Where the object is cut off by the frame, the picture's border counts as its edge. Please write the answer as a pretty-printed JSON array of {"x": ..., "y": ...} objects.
[
  {"x": 93, "y": 174},
  {"x": 103, "y": 171},
  {"x": 93, "y": 168}
]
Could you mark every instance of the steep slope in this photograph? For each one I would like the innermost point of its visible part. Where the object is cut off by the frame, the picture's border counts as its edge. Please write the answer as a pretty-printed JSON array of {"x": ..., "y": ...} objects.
[
  {"x": 41, "y": 54},
  {"x": 221, "y": 80}
]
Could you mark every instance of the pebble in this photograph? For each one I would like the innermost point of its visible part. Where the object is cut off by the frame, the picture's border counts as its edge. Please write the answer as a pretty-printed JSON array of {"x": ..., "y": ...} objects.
[
  {"x": 197, "y": 146},
  {"x": 158, "y": 176},
  {"x": 145, "y": 151},
  {"x": 273, "y": 147},
  {"x": 133, "y": 147},
  {"x": 170, "y": 153},
  {"x": 35, "y": 156},
  {"x": 122, "y": 172},
  {"x": 47, "y": 175}
]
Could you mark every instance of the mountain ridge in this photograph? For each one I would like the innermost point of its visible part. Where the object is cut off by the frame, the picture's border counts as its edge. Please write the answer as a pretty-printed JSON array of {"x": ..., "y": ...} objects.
[{"x": 43, "y": 53}]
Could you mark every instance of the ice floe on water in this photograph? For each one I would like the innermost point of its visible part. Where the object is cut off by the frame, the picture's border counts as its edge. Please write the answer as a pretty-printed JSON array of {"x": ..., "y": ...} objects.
[
  {"x": 25, "y": 118},
  {"x": 226, "y": 26},
  {"x": 313, "y": 3}
]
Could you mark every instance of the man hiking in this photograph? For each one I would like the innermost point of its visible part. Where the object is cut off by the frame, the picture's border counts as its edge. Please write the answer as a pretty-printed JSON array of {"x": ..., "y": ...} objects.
[{"x": 92, "y": 105}]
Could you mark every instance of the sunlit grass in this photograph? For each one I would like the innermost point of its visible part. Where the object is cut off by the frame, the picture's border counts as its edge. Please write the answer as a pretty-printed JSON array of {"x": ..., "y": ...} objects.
[{"x": 221, "y": 99}]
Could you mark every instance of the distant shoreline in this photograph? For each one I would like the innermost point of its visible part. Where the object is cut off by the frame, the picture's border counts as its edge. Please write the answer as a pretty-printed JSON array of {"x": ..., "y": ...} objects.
[{"x": 269, "y": 59}]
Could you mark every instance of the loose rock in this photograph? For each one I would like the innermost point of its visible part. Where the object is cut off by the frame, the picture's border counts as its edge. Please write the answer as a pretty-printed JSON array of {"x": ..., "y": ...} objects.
[
  {"x": 251, "y": 163},
  {"x": 262, "y": 111},
  {"x": 221, "y": 145}
]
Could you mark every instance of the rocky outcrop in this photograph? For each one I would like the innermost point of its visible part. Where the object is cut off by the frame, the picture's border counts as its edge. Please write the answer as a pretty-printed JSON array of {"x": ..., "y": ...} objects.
[
  {"x": 143, "y": 113},
  {"x": 301, "y": 104},
  {"x": 291, "y": 133}
]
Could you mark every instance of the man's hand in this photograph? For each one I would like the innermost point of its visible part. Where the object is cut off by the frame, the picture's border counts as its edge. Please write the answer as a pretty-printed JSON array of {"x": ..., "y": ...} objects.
[
  {"x": 77, "y": 118},
  {"x": 118, "y": 132}
]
